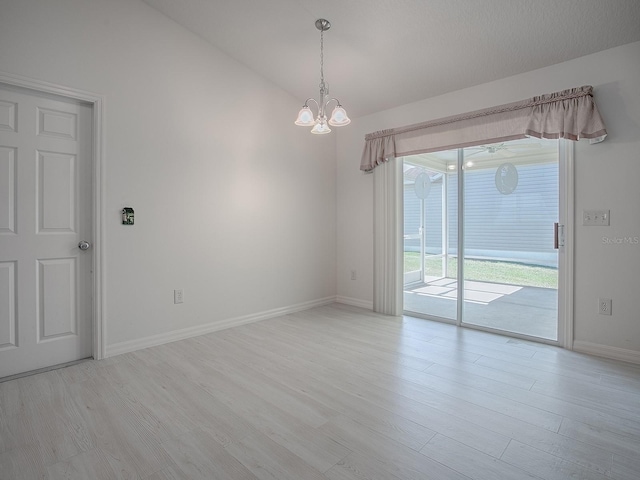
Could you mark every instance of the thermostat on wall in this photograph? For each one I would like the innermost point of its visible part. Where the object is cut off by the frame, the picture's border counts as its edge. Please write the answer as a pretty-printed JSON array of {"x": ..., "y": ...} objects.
[{"x": 127, "y": 216}]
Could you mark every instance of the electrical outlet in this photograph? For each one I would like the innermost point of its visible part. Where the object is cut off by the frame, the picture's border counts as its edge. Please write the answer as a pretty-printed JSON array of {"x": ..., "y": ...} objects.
[
  {"x": 353, "y": 275},
  {"x": 604, "y": 306},
  {"x": 178, "y": 296}
]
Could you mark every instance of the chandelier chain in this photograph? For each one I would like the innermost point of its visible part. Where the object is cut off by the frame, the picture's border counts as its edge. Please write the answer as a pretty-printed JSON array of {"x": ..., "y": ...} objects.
[{"x": 322, "y": 85}]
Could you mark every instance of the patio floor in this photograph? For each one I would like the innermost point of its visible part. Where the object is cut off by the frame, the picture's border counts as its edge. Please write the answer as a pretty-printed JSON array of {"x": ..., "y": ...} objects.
[{"x": 524, "y": 310}]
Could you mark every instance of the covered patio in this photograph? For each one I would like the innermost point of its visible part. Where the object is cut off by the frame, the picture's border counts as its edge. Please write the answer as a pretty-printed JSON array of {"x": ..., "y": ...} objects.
[{"x": 522, "y": 310}]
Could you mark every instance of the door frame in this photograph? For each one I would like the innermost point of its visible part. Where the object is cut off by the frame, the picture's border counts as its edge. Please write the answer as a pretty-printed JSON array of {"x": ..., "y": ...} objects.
[
  {"x": 98, "y": 194},
  {"x": 566, "y": 252}
]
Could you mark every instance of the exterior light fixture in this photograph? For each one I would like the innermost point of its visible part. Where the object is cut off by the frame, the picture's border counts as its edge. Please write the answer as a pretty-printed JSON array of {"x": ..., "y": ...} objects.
[{"x": 339, "y": 116}]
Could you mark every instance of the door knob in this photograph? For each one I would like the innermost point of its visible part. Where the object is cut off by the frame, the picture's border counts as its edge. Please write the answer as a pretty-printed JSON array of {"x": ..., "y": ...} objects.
[{"x": 84, "y": 245}]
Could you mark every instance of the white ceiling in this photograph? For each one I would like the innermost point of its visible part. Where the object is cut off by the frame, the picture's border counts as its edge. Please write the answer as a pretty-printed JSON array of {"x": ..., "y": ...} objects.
[{"x": 384, "y": 53}]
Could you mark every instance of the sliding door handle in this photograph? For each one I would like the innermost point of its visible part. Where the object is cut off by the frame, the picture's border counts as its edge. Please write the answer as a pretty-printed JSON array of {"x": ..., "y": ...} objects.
[{"x": 558, "y": 235}]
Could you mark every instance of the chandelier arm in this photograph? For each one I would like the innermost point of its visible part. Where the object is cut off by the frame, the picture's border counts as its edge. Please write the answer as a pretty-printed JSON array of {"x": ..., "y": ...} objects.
[
  {"x": 330, "y": 100},
  {"x": 306, "y": 102}
]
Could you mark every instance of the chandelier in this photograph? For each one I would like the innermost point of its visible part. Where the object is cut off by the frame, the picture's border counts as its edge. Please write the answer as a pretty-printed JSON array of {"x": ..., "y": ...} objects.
[{"x": 339, "y": 116}]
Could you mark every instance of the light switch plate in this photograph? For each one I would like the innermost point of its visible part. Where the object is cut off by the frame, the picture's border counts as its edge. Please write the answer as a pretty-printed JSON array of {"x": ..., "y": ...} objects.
[{"x": 592, "y": 218}]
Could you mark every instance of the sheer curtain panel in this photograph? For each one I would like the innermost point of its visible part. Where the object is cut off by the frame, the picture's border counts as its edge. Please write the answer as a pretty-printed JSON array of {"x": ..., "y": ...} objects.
[{"x": 388, "y": 262}]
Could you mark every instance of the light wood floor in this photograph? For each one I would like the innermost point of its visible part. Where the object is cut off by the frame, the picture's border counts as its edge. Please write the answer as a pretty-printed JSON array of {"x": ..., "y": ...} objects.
[{"x": 331, "y": 393}]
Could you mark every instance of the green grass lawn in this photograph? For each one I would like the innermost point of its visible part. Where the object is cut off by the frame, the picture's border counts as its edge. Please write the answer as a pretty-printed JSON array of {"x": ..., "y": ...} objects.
[{"x": 509, "y": 273}]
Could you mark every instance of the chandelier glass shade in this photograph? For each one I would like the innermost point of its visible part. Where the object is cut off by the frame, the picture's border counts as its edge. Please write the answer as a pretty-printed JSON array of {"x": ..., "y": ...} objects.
[{"x": 319, "y": 122}]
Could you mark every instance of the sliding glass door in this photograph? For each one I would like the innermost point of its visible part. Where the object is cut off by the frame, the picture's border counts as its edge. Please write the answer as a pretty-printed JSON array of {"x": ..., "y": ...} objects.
[{"x": 497, "y": 205}]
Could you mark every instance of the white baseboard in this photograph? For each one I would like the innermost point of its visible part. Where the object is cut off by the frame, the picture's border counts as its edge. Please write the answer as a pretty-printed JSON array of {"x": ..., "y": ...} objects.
[
  {"x": 175, "y": 335},
  {"x": 355, "y": 302},
  {"x": 615, "y": 353}
]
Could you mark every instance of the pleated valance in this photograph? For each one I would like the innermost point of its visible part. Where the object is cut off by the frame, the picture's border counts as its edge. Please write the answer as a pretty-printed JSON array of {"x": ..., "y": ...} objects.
[{"x": 570, "y": 114}]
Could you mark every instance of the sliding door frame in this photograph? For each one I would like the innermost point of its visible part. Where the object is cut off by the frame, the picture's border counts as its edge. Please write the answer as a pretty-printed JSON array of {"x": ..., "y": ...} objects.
[
  {"x": 565, "y": 252},
  {"x": 460, "y": 246}
]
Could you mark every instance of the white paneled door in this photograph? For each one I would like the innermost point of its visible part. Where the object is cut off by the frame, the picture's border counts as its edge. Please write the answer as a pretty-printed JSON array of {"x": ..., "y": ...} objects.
[{"x": 45, "y": 214}]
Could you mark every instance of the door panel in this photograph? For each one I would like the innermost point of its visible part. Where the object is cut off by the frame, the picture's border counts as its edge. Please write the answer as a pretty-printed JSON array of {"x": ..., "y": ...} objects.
[
  {"x": 56, "y": 298},
  {"x": 45, "y": 208},
  {"x": 56, "y": 192},
  {"x": 8, "y": 319},
  {"x": 429, "y": 282},
  {"x": 8, "y": 181},
  {"x": 511, "y": 202}
]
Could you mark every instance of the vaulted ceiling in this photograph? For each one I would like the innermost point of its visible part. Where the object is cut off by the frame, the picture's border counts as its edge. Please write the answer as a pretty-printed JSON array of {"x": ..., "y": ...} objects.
[{"x": 385, "y": 53}]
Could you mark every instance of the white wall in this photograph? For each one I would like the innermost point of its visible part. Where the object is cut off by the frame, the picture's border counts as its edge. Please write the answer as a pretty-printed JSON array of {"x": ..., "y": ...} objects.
[
  {"x": 607, "y": 176},
  {"x": 233, "y": 203}
]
